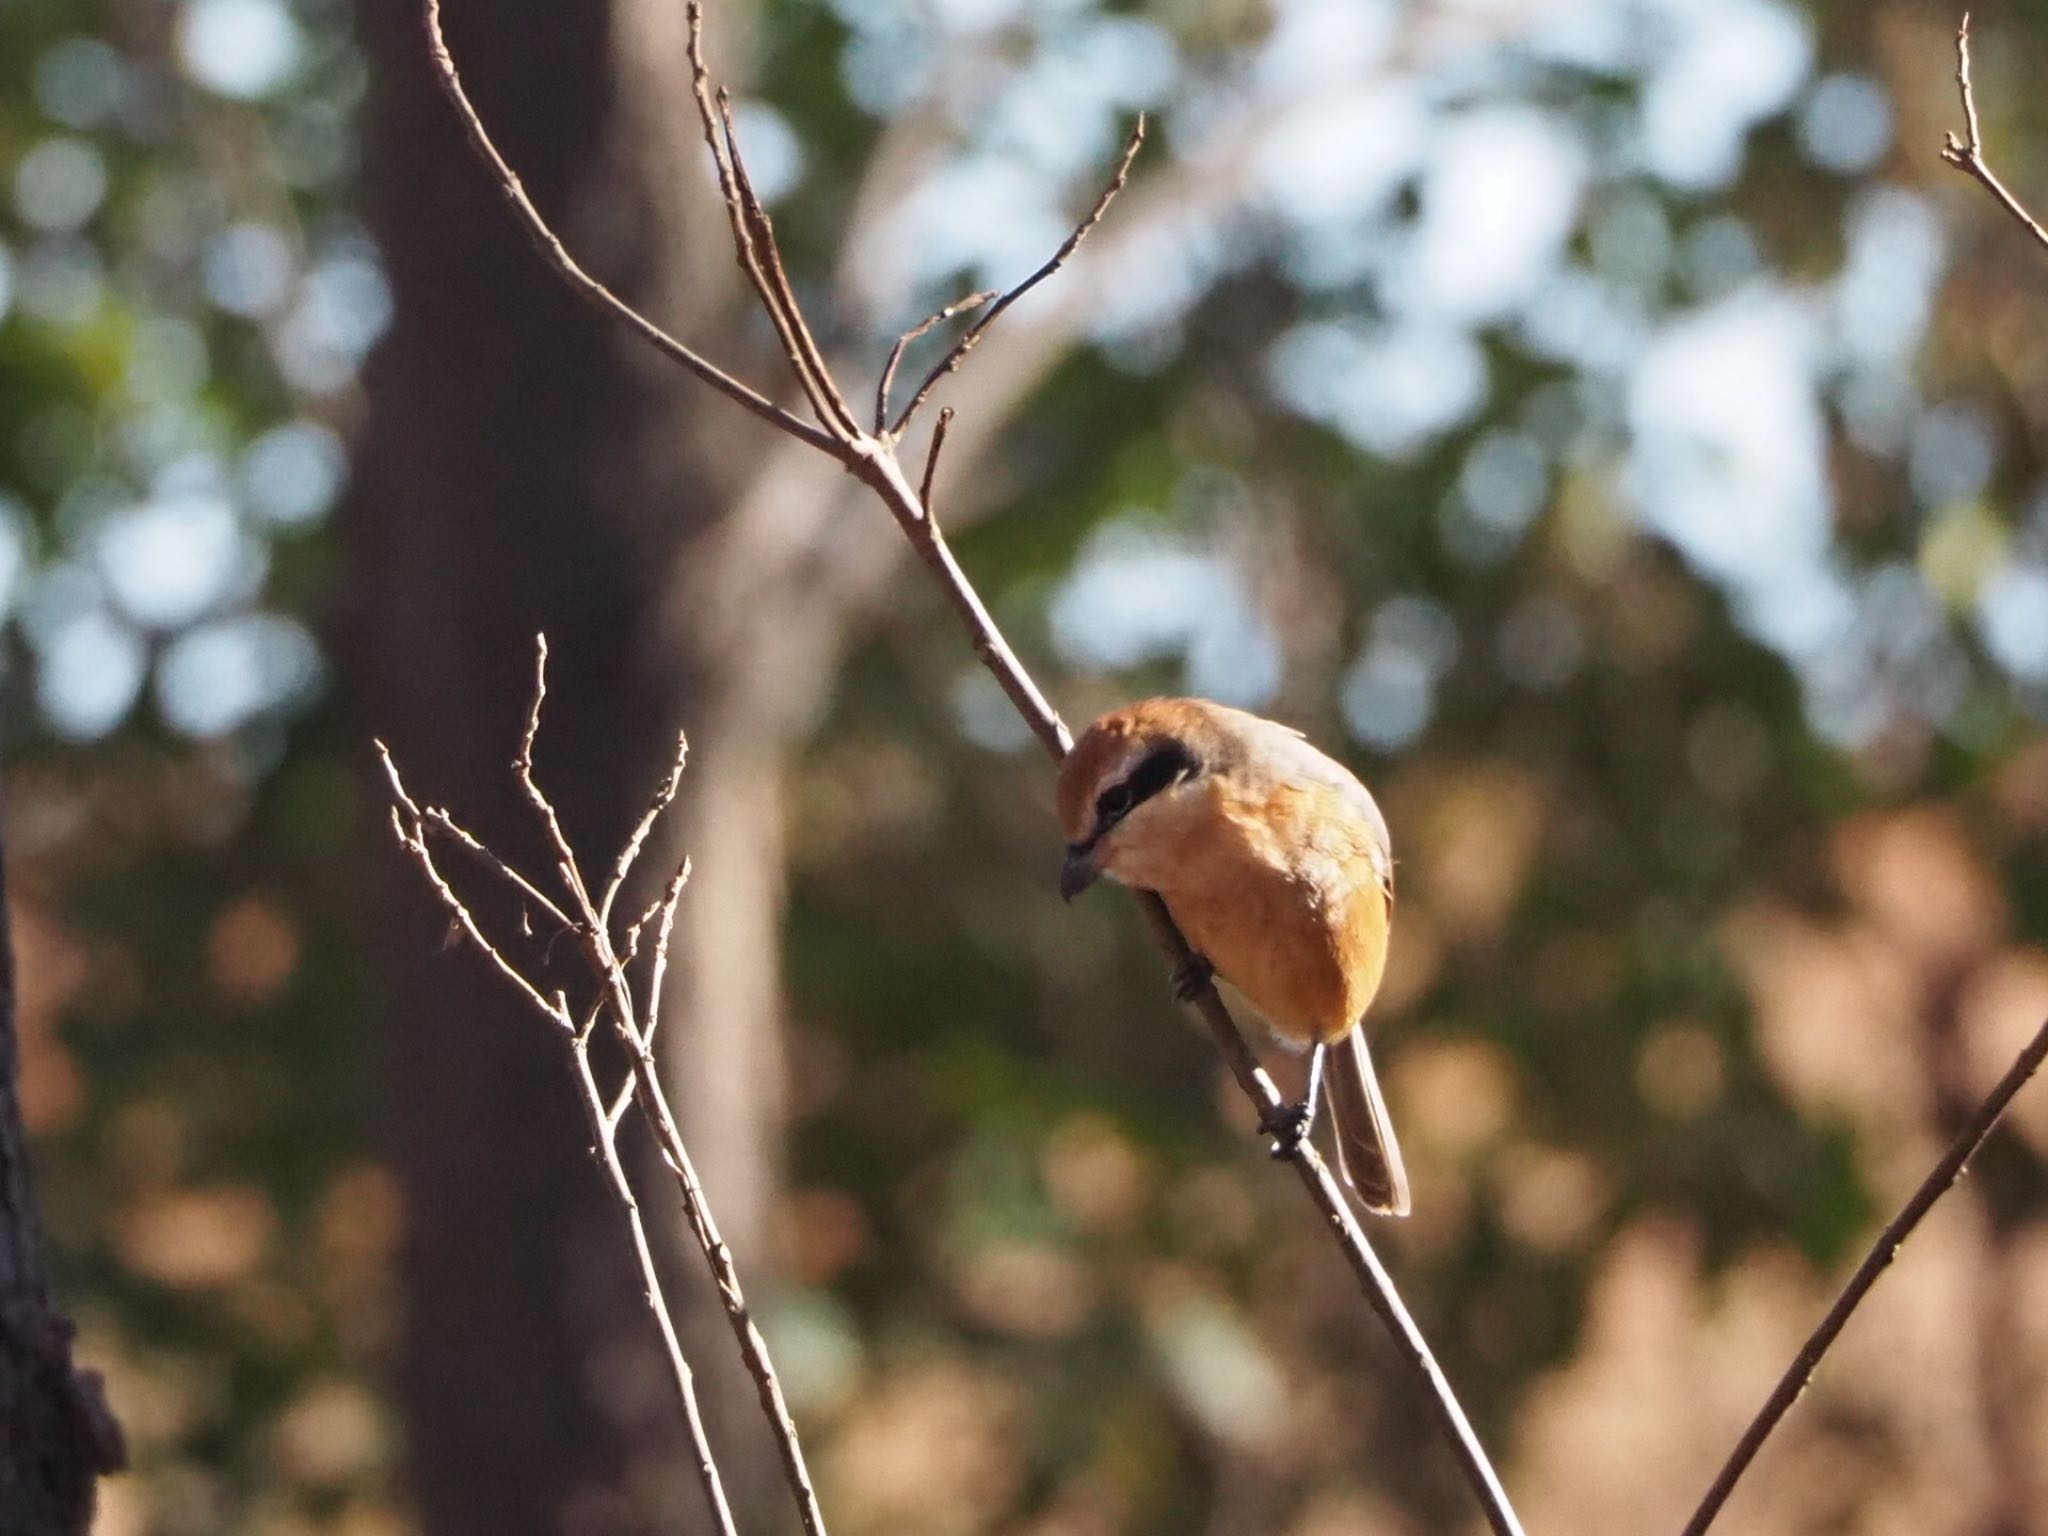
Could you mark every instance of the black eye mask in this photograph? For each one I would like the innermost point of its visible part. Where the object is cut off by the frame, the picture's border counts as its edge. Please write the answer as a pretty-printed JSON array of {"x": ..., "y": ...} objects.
[{"x": 1161, "y": 768}]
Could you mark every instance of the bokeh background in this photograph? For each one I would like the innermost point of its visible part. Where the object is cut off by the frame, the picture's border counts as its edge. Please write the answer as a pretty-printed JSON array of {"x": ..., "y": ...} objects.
[{"x": 1604, "y": 423}]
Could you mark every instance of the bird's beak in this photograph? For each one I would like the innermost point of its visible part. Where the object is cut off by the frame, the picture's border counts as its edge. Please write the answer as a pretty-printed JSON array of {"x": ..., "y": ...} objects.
[{"x": 1079, "y": 872}]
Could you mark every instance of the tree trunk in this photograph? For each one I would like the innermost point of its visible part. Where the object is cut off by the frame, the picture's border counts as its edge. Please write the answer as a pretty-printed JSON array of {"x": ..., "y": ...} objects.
[
  {"x": 57, "y": 1435},
  {"x": 525, "y": 468}
]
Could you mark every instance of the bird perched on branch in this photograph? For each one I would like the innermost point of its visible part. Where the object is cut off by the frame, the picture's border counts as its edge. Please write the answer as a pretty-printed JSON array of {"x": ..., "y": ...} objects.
[{"x": 1275, "y": 864}]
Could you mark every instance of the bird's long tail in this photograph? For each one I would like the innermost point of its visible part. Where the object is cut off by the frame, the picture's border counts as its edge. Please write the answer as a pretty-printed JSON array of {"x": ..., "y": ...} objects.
[{"x": 1367, "y": 1154}]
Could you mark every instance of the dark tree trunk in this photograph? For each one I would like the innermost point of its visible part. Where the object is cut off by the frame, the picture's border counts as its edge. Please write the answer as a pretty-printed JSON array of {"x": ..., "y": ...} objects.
[
  {"x": 57, "y": 1435},
  {"x": 525, "y": 468}
]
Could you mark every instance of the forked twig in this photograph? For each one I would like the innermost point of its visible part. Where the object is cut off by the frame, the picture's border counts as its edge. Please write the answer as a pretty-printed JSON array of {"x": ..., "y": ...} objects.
[
  {"x": 1966, "y": 154},
  {"x": 571, "y": 272},
  {"x": 988, "y": 317},
  {"x": 936, "y": 318},
  {"x": 652, "y": 1096},
  {"x": 871, "y": 458},
  {"x": 605, "y": 1128},
  {"x": 663, "y": 795},
  {"x": 614, "y": 995},
  {"x": 411, "y": 826},
  {"x": 1937, "y": 1183}
]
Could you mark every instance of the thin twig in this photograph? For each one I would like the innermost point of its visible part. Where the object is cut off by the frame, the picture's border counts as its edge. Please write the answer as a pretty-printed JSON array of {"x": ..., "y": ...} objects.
[
  {"x": 872, "y": 459},
  {"x": 754, "y": 248},
  {"x": 616, "y": 997},
  {"x": 663, "y": 795},
  {"x": 884, "y": 475},
  {"x": 1967, "y": 153},
  {"x": 522, "y": 765},
  {"x": 414, "y": 841},
  {"x": 931, "y": 466},
  {"x": 571, "y": 272},
  {"x": 603, "y": 1129},
  {"x": 655, "y": 985},
  {"x": 652, "y": 1097},
  {"x": 953, "y": 359},
  {"x": 436, "y": 819},
  {"x": 1800, "y": 1372},
  {"x": 839, "y": 415},
  {"x": 937, "y": 317}
]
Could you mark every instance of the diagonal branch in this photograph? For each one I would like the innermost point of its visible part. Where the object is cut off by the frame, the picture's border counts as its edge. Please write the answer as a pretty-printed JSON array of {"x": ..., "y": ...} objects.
[
  {"x": 754, "y": 244},
  {"x": 409, "y": 822},
  {"x": 580, "y": 282},
  {"x": 614, "y": 995},
  {"x": 931, "y": 466},
  {"x": 937, "y": 317},
  {"x": 952, "y": 360},
  {"x": 872, "y": 459},
  {"x": 652, "y": 1097},
  {"x": 1800, "y": 1372},
  {"x": 604, "y": 1129},
  {"x": 663, "y": 796},
  {"x": 1966, "y": 154}
]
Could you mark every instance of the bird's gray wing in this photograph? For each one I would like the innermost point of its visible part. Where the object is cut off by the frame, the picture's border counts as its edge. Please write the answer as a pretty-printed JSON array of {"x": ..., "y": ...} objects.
[{"x": 1295, "y": 757}]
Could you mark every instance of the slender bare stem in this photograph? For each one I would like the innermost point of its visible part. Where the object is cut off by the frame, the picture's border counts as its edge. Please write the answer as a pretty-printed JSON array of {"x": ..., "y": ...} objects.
[
  {"x": 663, "y": 795},
  {"x": 669, "y": 900},
  {"x": 604, "y": 1130},
  {"x": 754, "y": 248},
  {"x": 1966, "y": 154},
  {"x": 931, "y": 466},
  {"x": 522, "y": 765},
  {"x": 953, "y": 359},
  {"x": 571, "y": 272},
  {"x": 937, "y": 317},
  {"x": 872, "y": 459},
  {"x": 652, "y": 1097},
  {"x": 436, "y": 819},
  {"x": 410, "y": 826},
  {"x": 1800, "y": 1372},
  {"x": 838, "y": 414}
]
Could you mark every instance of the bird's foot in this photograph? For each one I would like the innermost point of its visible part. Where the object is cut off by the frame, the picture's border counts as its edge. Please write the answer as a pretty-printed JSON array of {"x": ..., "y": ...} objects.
[
  {"x": 1192, "y": 977},
  {"x": 1289, "y": 1126}
]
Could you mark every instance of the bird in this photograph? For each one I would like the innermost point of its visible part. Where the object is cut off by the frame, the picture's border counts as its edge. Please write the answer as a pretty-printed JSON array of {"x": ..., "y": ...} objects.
[{"x": 1275, "y": 862}]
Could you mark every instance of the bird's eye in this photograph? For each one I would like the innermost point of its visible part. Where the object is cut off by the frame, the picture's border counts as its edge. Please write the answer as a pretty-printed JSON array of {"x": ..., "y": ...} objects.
[{"x": 1115, "y": 801}]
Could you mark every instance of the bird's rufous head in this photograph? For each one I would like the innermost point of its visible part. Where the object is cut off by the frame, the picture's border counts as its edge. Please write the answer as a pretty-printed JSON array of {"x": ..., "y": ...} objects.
[{"x": 1122, "y": 763}]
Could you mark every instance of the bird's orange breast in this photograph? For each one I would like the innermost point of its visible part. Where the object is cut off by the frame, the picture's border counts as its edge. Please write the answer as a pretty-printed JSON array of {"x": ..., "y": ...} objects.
[{"x": 1281, "y": 888}]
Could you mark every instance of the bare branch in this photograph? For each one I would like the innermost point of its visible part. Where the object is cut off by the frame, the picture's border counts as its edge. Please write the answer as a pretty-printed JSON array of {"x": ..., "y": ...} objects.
[
  {"x": 668, "y": 922},
  {"x": 654, "y": 1107},
  {"x": 937, "y": 317},
  {"x": 1967, "y": 153},
  {"x": 1937, "y": 1183},
  {"x": 953, "y": 359},
  {"x": 872, "y": 459},
  {"x": 884, "y": 475},
  {"x": 571, "y": 272},
  {"x": 604, "y": 1130},
  {"x": 838, "y": 415},
  {"x": 436, "y": 819},
  {"x": 405, "y": 824},
  {"x": 644, "y": 1086},
  {"x": 522, "y": 765},
  {"x": 662, "y": 798},
  {"x": 754, "y": 247},
  {"x": 931, "y": 466}
]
